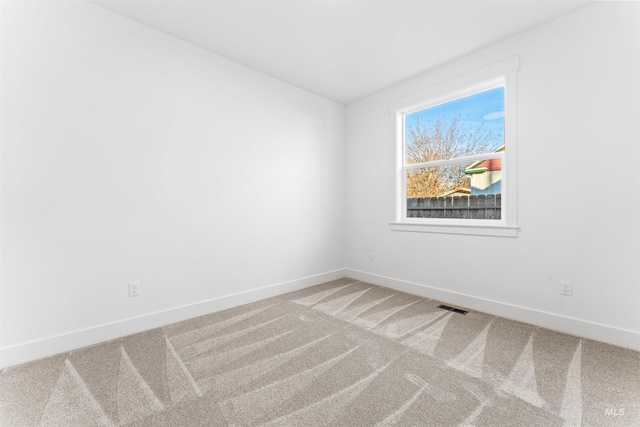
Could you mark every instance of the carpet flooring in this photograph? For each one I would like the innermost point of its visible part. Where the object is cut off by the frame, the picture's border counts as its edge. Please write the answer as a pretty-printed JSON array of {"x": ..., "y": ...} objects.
[{"x": 344, "y": 353}]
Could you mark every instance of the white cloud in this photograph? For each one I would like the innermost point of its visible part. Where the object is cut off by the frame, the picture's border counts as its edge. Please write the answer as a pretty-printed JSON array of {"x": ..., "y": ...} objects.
[{"x": 494, "y": 115}]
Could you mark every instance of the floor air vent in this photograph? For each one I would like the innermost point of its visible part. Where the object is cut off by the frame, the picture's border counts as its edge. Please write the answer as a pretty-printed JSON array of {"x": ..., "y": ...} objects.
[{"x": 454, "y": 309}]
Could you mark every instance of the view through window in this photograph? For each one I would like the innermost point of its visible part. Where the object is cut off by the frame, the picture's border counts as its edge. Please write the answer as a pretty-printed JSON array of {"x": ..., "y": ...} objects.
[{"x": 454, "y": 157}]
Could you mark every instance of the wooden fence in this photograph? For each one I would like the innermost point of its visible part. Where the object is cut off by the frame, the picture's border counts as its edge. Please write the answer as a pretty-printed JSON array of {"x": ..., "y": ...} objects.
[{"x": 465, "y": 207}]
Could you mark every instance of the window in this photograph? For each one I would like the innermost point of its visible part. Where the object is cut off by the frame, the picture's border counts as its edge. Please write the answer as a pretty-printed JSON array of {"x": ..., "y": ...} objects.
[{"x": 455, "y": 155}]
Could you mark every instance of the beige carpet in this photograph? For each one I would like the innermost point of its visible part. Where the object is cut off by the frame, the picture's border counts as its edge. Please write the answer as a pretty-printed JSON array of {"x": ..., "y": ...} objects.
[{"x": 344, "y": 353}]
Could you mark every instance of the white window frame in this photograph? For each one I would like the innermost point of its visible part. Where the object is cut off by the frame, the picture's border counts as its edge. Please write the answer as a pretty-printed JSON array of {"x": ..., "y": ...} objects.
[{"x": 500, "y": 74}]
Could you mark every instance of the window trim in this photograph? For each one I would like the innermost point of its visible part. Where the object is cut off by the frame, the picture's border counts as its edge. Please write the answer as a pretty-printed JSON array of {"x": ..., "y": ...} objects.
[{"x": 498, "y": 74}]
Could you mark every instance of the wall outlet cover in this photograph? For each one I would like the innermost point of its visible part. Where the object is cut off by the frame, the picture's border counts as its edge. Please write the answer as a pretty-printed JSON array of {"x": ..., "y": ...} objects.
[{"x": 134, "y": 289}]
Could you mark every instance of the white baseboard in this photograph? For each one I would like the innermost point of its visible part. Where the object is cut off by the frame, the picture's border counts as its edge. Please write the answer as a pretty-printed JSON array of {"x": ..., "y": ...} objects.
[
  {"x": 33, "y": 350},
  {"x": 582, "y": 328}
]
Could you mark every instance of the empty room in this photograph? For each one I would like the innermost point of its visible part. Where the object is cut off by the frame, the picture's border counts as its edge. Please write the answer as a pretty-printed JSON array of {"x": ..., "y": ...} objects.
[{"x": 306, "y": 213}]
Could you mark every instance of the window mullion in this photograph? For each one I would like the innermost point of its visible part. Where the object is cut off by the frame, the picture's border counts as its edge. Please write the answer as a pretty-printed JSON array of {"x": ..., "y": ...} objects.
[{"x": 456, "y": 160}]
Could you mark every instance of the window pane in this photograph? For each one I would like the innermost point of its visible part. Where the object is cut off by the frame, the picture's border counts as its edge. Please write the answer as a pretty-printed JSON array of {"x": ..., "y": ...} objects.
[
  {"x": 460, "y": 191},
  {"x": 464, "y": 127}
]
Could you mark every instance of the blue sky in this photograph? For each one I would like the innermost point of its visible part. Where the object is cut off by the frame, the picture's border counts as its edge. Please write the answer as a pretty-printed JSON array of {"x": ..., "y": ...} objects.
[{"x": 486, "y": 108}]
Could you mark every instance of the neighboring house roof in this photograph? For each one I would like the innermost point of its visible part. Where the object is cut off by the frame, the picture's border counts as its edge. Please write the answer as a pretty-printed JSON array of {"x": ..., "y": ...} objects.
[
  {"x": 482, "y": 166},
  {"x": 458, "y": 191}
]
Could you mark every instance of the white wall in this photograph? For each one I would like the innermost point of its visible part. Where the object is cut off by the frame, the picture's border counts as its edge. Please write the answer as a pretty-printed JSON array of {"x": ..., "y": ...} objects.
[
  {"x": 578, "y": 189},
  {"x": 129, "y": 155}
]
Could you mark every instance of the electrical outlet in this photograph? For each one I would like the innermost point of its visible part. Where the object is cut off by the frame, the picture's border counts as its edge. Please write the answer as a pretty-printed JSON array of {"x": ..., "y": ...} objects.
[
  {"x": 134, "y": 289},
  {"x": 566, "y": 288},
  {"x": 372, "y": 257}
]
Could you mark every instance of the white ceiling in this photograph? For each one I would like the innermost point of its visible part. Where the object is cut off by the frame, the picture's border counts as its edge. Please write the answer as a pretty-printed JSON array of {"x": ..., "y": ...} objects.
[{"x": 341, "y": 50}]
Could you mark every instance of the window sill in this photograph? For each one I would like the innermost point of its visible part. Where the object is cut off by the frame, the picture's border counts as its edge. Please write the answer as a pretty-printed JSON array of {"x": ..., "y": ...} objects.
[{"x": 470, "y": 230}]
